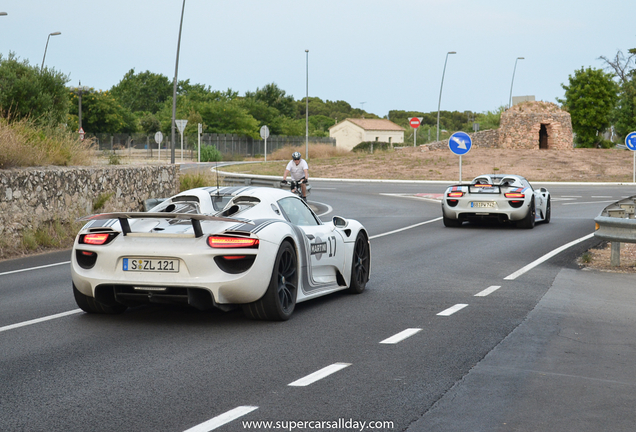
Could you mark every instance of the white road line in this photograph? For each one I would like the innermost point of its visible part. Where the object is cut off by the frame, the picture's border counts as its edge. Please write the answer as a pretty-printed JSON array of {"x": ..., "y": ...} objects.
[
  {"x": 452, "y": 310},
  {"x": 39, "y": 320},
  {"x": 602, "y": 196},
  {"x": 405, "y": 228},
  {"x": 587, "y": 202},
  {"x": 318, "y": 375},
  {"x": 401, "y": 336},
  {"x": 546, "y": 257},
  {"x": 487, "y": 291},
  {"x": 35, "y": 268},
  {"x": 571, "y": 196},
  {"x": 222, "y": 419}
]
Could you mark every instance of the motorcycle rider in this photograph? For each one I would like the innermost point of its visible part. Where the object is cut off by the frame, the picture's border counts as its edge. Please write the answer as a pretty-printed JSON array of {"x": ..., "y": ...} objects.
[{"x": 298, "y": 170}]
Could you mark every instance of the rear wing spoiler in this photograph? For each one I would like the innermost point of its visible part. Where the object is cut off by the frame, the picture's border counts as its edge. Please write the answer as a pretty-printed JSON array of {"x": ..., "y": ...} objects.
[
  {"x": 192, "y": 217},
  {"x": 478, "y": 188}
]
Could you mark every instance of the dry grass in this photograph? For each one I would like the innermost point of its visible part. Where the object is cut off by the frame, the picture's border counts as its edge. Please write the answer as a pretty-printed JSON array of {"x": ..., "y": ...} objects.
[
  {"x": 599, "y": 258},
  {"x": 23, "y": 144},
  {"x": 588, "y": 165},
  {"x": 317, "y": 151}
]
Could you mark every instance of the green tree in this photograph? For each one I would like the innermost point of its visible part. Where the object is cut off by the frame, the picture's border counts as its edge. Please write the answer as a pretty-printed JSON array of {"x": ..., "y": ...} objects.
[
  {"x": 624, "y": 115},
  {"x": 101, "y": 113},
  {"x": 275, "y": 97},
  {"x": 590, "y": 98},
  {"x": 28, "y": 92},
  {"x": 144, "y": 91},
  {"x": 490, "y": 119}
]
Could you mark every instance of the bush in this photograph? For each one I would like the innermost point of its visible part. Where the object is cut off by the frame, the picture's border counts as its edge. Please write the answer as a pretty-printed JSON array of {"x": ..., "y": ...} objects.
[
  {"x": 210, "y": 154},
  {"x": 367, "y": 145}
]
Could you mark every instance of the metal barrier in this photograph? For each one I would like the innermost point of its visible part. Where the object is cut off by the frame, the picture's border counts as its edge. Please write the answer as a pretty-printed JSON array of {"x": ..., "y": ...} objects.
[
  {"x": 617, "y": 224},
  {"x": 250, "y": 179}
]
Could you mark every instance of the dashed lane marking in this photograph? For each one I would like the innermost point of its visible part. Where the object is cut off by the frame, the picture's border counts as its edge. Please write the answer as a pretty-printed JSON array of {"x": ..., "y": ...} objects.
[
  {"x": 452, "y": 310},
  {"x": 401, "y": 336},
  {"x": 318, "y": 375},
  {"x": 222, "y": 419},
  {"x": 487, "y": 291}
]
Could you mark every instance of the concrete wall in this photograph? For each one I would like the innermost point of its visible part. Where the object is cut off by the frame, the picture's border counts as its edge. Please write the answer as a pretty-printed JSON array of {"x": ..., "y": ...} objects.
[{"x": 32, "y": 196}]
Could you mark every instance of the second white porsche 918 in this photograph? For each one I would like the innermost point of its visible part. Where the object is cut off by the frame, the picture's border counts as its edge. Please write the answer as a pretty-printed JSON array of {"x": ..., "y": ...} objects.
[
  {"x": 502, "y": 197},
  {"x": 262, "y": 249}
]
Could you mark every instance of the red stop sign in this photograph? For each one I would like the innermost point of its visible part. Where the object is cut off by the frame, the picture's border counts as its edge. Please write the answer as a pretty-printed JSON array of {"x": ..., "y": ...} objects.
[{"x": 415, "y": 122}]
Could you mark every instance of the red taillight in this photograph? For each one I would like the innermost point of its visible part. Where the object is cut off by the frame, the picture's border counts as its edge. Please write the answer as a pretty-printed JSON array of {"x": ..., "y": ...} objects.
[
  {"x": 232, "y": 242},
  {"x": 96, "y": 238},
  {"x": 514, "y": 195},
  {"x": 455, "y": 194}
]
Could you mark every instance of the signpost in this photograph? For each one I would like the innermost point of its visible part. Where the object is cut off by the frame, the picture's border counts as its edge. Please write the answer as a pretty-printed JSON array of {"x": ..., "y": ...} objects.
[
  {"x": 200, "y": 131},
  {"x": 630, "y": 142},
  {"x": 158, "y": 139},
  {"x": 265, "y": 135},
  {"x": 415, "y": 123},
  {"x": 460, "y": 144},
  {"x": 181, "y": 124}
]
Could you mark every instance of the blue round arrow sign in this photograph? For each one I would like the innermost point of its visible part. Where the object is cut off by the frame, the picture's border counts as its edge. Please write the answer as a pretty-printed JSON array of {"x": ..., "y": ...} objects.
[
  {"x": 460, "y": 143},
  {"x": 630, "y": 141}
]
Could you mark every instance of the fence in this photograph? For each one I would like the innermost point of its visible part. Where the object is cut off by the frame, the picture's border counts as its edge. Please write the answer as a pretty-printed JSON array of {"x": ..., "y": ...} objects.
[{"x": 230, "y": 145}]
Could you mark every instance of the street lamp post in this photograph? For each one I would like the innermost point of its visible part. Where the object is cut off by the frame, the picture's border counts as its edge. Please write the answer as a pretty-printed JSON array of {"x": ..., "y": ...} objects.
[
  {"x": 47, "y": 46},
  {"x": 79, "y": 90},
  {"x": 513, "y": 81},
  {"x": 307, "y": 105},
  {"x": 439, "y": 103},
  {"x": 174, "y": 88}
]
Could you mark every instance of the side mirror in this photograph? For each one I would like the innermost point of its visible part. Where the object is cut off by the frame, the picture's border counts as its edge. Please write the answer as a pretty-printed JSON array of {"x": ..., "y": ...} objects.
[{"x": 340, "y": 222}]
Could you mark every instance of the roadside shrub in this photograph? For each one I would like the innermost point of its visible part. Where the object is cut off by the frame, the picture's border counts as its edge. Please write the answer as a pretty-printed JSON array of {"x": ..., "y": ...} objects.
[
  {"x": 367, "y": 145},
  {"x": 210, "y": 154},
  {"x": 195, "y": 180}
]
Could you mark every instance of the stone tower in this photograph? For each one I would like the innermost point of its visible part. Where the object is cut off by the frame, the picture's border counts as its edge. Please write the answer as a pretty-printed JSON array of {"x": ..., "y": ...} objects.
[{"x": 535, "y": 125}]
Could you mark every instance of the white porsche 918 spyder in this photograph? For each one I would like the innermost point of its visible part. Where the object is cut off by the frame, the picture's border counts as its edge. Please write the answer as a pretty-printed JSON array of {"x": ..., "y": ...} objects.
[
  {"x": 263, "y": 249},
  {"x": 501, "y": 197}
]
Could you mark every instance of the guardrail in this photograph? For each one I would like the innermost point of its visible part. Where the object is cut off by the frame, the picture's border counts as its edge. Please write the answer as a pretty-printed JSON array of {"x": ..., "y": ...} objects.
[
  {"x": 617, "y": 224},
  {"x": 250, "y": 179}
]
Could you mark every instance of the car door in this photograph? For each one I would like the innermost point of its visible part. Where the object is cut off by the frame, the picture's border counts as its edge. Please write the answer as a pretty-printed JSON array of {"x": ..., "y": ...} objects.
[{"x": 324, "y": 245}]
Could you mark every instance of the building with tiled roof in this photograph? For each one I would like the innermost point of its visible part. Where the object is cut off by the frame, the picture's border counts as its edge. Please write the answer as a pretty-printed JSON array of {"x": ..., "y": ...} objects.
[{"x": 351, "y": 132}]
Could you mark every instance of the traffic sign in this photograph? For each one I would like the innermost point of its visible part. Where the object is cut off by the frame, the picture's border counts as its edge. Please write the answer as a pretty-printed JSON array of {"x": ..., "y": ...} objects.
[
  {"x": 264, "y": 132},
  {"x": 181, "y": 124},
  {"x": 630, "y": 141},
  {"x": 460, "y": 143},
  {"x": 158, "y": 137},
  {"x": 415, "y": 122},
  {"x": 81, "y": 134}
]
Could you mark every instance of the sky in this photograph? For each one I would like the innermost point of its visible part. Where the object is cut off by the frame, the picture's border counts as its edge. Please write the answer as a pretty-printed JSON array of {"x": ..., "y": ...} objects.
[{"x": 377, "y": 55}]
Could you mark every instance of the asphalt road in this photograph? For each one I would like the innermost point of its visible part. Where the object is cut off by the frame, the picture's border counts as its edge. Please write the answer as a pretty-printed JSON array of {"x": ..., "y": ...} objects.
[{"x": 157, "y": 368}]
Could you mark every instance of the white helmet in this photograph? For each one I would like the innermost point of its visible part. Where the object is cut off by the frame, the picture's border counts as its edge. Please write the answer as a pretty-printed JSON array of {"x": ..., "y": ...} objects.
[{"x": 296, "y": 156}]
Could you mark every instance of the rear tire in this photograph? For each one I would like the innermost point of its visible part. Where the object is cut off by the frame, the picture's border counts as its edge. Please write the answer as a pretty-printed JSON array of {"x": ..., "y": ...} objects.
[
  {"x": 360, "y": 264},
  {"x": 279, "y": 300},
  {"x": 90, "y": 305},
  {"x": 548, "y": 212},
  {"x": 451, "y": 223},
  {"x": 528, "y": 221}
]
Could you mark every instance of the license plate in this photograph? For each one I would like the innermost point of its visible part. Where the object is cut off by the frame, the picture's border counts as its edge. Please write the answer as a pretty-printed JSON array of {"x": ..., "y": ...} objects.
[
  {"x": 483, "y": 204},
  {"x": 151, "y": 265}
]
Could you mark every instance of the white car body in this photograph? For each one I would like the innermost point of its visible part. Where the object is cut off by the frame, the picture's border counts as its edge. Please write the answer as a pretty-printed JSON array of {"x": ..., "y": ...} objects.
[
  {"x": 502, "y": 197},
  {"x": 165, "y": 255}
]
